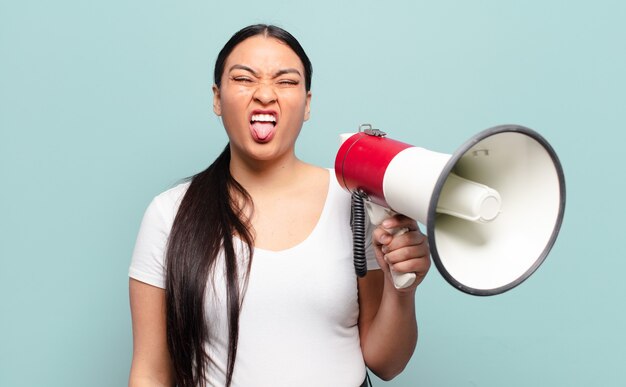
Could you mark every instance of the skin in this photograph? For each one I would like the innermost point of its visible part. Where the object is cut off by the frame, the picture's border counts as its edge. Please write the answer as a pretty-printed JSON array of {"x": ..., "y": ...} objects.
[
  {"x": 151, "y": 365},
  {"x": 262, "y": 73}
]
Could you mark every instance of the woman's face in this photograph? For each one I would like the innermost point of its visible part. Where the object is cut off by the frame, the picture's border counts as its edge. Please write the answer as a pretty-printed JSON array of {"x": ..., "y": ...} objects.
[{"x": 262, "y": 99}]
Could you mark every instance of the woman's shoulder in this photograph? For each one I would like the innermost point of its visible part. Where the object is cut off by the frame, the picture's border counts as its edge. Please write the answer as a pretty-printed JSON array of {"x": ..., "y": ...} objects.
[
  {"x": 175, "y": 193},
  {"x": 313, "y": 170},
  {"x": 309, "y": 176},
  {"x": 167, "y": 202},
  {"x": 325, "y": 177}
]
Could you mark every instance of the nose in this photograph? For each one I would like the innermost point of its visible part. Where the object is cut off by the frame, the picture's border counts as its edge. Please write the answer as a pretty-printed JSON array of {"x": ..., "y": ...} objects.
[{"x": 265, "y": 94}]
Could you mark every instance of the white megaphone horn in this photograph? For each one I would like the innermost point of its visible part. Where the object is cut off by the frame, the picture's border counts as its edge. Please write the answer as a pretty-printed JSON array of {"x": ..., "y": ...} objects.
[{"x": 492, "y": 210}]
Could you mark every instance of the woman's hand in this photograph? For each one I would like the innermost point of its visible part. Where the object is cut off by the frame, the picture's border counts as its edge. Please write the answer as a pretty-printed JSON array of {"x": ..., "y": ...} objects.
[
  {"x": 387, "y": 321},
  {"x": 405, "y": 252}
]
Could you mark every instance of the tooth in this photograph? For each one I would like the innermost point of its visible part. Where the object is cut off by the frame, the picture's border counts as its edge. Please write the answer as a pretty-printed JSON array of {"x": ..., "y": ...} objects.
[{"x": 263, "y": 117}]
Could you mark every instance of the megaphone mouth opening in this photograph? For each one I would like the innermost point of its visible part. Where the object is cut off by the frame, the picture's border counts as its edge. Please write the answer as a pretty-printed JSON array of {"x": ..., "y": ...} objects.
[{"x": 542, "y": 248}]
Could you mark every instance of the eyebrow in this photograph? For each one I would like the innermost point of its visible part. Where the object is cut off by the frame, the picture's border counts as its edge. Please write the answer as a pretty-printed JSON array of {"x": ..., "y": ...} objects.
[
  {"x": 287, "y": 71},
  {"x": 277, "y": 74}
]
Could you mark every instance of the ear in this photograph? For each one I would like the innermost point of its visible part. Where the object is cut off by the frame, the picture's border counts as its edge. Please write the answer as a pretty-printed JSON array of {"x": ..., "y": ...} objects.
[
  {"x": 307, "y": 108},
  {"x": 217, "y": 106}
]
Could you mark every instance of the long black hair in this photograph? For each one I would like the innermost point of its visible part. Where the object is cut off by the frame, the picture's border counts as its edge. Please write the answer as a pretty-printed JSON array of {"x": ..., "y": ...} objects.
[{"x": 213, "y": 209}]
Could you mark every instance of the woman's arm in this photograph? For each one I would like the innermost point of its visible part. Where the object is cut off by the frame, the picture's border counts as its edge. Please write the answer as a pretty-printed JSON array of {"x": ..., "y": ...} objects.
[
  {"x": 151, "y": 366},
  {"x": 387, "y": 323}
]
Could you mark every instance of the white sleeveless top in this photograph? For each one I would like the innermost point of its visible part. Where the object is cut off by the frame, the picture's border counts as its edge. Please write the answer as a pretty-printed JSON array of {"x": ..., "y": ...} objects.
[{"x": 298, "y": 322}]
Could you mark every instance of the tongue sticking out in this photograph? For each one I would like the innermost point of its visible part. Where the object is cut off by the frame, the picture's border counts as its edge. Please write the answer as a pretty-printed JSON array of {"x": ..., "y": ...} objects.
[{"x": 262, "y": 131}]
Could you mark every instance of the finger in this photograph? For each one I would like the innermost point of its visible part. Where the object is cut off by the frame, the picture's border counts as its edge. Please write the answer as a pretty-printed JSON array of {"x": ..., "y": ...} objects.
[
  {"x": 400, "y": 221},
  {"x": 419, "y": 266},
  {"x": 380, "y": 236},
  {"x": 406, "y": 253},
  {"x": 412, "y": 238}
]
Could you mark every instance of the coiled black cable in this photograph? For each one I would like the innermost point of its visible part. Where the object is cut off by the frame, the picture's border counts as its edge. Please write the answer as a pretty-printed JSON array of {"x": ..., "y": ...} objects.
[{"x": 357, "y": 222}]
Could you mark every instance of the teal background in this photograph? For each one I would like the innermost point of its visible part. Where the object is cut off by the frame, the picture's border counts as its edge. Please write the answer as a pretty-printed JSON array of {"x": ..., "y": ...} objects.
[{"x": 104, "y": 104}]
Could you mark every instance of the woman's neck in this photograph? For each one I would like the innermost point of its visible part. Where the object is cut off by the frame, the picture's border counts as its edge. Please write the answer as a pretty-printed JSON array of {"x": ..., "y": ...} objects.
[{"x": 272, "y": 174}]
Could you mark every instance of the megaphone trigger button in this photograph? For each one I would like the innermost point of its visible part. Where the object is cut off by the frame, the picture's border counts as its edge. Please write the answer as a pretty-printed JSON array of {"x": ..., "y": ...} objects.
[{"x": 480, "y": 152}]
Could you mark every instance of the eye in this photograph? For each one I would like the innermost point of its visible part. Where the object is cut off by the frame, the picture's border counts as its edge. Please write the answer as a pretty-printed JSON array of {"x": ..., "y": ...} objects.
[
  {"x": 242, "y": 79},
  {"x": 288, "y": 82}
]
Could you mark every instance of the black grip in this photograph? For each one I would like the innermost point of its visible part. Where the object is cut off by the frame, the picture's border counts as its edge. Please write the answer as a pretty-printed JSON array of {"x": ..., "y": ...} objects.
[{"x": 357, "y": 222}]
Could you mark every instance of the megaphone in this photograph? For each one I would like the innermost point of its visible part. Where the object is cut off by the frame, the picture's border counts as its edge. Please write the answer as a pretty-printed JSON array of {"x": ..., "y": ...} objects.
[{"x": 492, "y": 209}]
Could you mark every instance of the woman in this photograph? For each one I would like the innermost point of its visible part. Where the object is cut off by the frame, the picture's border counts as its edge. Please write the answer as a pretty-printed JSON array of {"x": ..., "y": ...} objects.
[{"x": 243, "y": 276}]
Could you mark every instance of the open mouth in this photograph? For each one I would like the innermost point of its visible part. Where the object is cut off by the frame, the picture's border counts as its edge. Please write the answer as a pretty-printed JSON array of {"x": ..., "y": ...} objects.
[{"x": 262, "y": 126}]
